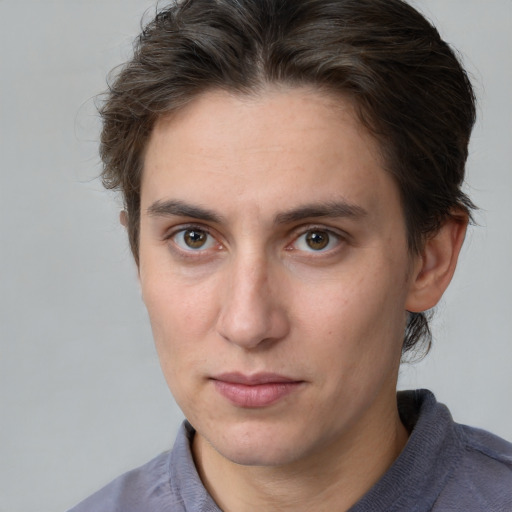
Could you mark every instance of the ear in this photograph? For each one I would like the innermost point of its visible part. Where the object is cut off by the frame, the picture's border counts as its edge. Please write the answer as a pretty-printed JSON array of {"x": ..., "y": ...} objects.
[
  {"x": 435, "y": 266},
  {"x": 123, "y": 219}
]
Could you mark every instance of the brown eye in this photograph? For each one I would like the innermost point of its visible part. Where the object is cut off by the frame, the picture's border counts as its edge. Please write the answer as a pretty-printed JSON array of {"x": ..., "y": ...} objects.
[
  {"x": 193, "y": 239},
  {"x": 317, "y": 240}
]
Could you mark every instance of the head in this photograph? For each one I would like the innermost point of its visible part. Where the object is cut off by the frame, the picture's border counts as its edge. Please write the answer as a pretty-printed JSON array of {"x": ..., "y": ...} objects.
[
  {"x": 407, "y": 88},
  {"x": 291, "y": 174}
]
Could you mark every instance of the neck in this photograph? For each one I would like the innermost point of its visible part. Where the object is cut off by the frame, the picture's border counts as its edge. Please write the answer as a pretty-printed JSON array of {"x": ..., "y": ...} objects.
[{"x": 333, "y": 479}]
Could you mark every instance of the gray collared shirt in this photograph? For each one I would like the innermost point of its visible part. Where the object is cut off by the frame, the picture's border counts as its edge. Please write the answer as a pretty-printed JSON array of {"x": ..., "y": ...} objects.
[{"x": 444, "y": 467}]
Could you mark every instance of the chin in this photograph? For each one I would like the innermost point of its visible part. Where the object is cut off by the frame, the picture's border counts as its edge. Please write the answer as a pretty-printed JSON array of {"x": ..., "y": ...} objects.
[
  {"x": 257, "y": 445},
  {"x": 249, "y": 455}
]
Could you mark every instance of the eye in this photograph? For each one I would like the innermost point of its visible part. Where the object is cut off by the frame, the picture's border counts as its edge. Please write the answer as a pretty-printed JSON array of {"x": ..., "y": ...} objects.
[
  {"x": 193, "y": 239},
  {"x": 317, "y": 240}
]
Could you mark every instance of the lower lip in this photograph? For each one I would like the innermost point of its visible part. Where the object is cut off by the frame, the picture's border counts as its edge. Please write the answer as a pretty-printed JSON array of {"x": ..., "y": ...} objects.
[{"x": 256, "y": 395}]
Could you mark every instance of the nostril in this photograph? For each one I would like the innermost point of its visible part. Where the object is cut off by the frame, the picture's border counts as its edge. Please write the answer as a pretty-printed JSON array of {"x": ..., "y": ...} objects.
[
  {"x": 250, "y": 312},
  {"x": 252, "y": 325}
]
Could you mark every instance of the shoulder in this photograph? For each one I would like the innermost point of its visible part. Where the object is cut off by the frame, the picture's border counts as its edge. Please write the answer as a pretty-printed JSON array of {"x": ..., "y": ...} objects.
[
  {"x": 145, "y": 488},
  {"x": 483, "y": 478},
  {"x": 447, "y": 466},
  {"x": 168, "y": 483},
  {"x": 495, "y": 451}
]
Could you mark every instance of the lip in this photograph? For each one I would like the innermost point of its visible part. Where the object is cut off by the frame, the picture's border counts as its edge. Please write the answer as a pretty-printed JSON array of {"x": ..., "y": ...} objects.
[{"x": 255, "y": 391}]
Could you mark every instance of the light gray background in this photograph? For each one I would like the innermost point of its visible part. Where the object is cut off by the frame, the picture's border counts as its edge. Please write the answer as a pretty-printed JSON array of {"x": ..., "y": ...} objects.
[{"x": 81, "y": 394}]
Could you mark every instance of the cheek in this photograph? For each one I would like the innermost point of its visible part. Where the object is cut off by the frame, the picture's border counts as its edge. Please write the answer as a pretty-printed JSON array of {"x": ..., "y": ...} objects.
[
  {"x": 358, "y": 315},
  {"x": 179, "y": 321},
  {"x": 356, "y": 346},
  {"x": 181, "y": 316}
]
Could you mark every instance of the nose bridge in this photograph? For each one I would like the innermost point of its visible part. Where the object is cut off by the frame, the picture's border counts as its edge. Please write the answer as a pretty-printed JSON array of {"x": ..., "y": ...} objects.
[{"x": 251, "y": 312}]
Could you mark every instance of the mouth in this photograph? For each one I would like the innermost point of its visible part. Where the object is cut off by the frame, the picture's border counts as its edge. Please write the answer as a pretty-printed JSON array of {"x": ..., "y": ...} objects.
[{"x": 255, "y": 391}]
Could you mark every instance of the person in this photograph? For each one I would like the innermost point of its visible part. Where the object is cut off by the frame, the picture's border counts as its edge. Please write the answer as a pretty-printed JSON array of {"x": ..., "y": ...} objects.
[{"x": 291, "y": 173}]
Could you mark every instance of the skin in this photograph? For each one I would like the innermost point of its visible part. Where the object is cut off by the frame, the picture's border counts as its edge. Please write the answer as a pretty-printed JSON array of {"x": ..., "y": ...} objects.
[{"x": 239, "y": 196}]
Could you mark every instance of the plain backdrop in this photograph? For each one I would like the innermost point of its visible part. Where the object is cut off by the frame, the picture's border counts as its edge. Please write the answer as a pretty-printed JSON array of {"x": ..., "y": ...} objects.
[{"x": 81, "y": 394}]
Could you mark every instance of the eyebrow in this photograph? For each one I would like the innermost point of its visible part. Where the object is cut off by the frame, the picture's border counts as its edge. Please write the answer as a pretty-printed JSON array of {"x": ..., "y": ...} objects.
[
  {"x": 177, "y": 208},
  {"x": 331, "y": 209}
]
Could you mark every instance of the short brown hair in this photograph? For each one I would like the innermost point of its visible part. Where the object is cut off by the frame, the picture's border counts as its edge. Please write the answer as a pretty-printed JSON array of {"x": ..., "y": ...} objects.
[{"x": 409, "y": 89}]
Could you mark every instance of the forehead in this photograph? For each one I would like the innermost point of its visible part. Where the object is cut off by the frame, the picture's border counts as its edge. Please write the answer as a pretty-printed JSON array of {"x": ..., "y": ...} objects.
[{"x": 276, "y": 148}]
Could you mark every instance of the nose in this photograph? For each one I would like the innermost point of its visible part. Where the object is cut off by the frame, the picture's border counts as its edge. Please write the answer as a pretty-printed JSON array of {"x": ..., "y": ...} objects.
[{"x": 251, "y": 314}]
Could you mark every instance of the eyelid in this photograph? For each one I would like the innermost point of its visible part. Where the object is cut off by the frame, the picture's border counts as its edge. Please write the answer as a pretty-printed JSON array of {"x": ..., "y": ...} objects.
[
  {"x": 301, "y": 230},
  {"x": 171, "y": 233},
  {"x": 340, "y": 235},
  {"x": 295, "y": 234}
]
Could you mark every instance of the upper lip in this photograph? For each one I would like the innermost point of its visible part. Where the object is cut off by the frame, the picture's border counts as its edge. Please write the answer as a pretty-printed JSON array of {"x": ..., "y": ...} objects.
[{"x": 253, "y": 379}]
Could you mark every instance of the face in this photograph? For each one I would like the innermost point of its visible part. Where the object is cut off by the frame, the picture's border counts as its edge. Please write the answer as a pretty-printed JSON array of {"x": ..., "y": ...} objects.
[{"x": 274, "y": 267}]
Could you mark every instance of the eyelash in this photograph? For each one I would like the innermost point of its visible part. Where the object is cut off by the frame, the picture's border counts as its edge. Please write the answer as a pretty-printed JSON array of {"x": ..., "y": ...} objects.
[
  {"x": 333, "y": 235},
  {"x": 297, "y": 235},
  {"x": 181, "y": 230}
]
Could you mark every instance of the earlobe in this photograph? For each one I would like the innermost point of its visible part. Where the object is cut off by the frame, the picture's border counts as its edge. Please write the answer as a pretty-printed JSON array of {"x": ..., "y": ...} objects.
[
  {"x": 123, "y": 218},
  {"x": 436, "y": 264}
]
